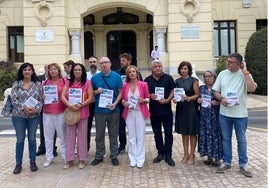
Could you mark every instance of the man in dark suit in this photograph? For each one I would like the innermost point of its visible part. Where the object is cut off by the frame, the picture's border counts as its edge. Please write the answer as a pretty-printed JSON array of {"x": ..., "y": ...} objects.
[{"x": 42, "y": 148}]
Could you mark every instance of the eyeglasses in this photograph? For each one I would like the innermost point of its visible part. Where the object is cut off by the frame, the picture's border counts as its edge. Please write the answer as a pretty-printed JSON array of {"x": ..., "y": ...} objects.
[
  {"x": 231, "y": 62},
  {"x": 104, "y": 62},
  {"x": 208, "y": 76},
  {"x": 92, "y": 61}
]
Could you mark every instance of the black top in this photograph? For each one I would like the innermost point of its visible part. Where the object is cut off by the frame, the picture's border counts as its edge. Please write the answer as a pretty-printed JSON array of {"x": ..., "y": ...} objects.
[{"x": 165, "y": 81}]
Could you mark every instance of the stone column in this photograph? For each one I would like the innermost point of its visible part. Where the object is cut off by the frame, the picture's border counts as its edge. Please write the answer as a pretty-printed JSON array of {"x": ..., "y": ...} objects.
[
  {"x": 160, "y": 39},
  {"x": 75, "y": 38}
]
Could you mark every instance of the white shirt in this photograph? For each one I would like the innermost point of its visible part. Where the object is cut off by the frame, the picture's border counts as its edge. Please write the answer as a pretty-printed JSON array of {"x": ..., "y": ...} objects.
[
  {"x": 90, "y": 74},
  {"x": 155, "y": 54}
]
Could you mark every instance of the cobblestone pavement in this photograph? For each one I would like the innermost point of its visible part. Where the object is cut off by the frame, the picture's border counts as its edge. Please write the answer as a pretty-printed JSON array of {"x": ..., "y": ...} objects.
[{"x": 151, "y": 175}]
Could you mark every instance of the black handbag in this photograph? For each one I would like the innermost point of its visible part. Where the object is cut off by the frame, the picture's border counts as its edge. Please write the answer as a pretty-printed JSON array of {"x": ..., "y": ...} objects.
[{"x": 8, "y": 107}]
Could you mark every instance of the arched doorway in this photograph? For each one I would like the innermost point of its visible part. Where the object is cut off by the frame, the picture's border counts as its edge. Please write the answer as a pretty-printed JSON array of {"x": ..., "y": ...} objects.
[
  {"x": 121, "y": 42},
  {"x": 88, "y": 44}
]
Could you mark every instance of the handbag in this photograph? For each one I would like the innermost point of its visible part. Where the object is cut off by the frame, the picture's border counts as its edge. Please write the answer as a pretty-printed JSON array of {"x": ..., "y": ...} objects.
[
  {"x": 8, "y": 107},
  {"x": 71, "y": 117}
]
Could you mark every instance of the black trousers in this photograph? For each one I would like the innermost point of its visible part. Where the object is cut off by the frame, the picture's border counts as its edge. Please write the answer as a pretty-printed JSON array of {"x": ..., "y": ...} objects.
[{"x": 164, "y": 146}]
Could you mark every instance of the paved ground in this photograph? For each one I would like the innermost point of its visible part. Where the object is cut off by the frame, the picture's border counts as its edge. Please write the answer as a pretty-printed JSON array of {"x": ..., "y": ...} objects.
[{"x": 151, "y": 175}]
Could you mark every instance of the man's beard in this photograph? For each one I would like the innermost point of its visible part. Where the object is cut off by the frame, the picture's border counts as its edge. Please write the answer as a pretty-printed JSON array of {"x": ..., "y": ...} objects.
[{"x": 93, "y": 67}]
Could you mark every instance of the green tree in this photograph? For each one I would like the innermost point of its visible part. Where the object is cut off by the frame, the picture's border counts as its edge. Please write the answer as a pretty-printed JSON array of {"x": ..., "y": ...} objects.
[
  {"x": 221, "y": 64},
  {"x": 8, "y": 73},
  {"x": 256, "y": 59}
]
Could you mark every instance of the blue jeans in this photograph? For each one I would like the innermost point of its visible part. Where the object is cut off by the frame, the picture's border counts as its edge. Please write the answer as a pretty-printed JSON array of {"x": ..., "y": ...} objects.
[
  {"x": 21, "y": 125},
  {"x": 240, "y": 126}
]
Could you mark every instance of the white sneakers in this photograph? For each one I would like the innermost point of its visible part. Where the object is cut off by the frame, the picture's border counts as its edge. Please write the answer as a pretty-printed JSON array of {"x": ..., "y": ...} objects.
[{"x": 47, "y": 163}]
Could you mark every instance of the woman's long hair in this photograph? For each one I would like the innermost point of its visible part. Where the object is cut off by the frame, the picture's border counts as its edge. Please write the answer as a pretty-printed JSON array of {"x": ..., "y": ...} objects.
[
  {"x": 20, "y": 76},
  {"x": 83, "y": 76}
]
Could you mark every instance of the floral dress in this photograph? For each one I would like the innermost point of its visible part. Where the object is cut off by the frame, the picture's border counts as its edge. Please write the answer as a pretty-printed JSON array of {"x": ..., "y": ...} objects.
[{"x": 210, "y": 137}]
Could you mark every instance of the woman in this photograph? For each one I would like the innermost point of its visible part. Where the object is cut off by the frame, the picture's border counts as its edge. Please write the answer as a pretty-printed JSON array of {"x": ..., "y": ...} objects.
[
  {"x": 187, "y": 115},
  {"x": 135, "y": 96},
  {"x": 27, "y": 102},
  {"x": 78, "y": 82},
  {"x": 210, "y": 138},
  {"x": 53, "y": 111}
]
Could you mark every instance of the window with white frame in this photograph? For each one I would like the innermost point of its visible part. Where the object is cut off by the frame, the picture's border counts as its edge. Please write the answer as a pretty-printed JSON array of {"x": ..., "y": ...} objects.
[{"x": 224, "y": 38}]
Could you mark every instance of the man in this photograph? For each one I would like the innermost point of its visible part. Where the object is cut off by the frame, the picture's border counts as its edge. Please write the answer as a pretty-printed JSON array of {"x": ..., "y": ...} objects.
[
  {"x": 42, "y": 148},
  {"x": 107, "y": 86},
  {"x": 161, "y": 88},
  {"x": 68, "y": 67},
  {"x": 125, "y": 62},
  {"x": 155, "y": 53},
  {"x": 93, "y": 69},
  {"x": 231, "y": 88}
]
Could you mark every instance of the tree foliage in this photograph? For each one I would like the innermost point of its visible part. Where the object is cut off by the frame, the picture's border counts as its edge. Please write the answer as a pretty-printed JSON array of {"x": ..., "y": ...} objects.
[
  {"x": 221, "y": 64},
  {"x": 8, "y": 73},
  {"x": 256, "y": 59}
]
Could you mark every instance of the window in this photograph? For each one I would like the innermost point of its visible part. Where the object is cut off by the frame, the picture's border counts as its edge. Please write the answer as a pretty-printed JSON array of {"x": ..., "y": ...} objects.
[
  {"x": 15, "y": 44},
  {"x": 224, "y": 38},
  {"x": 261, "y": 24}
]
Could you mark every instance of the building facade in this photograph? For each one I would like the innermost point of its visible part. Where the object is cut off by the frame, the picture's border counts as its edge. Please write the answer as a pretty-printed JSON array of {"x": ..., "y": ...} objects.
[{"x": 199, "y": 31}]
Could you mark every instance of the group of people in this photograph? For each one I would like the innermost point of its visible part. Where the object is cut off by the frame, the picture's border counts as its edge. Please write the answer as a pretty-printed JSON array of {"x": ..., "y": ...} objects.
[{"x": 205, "y": 115}]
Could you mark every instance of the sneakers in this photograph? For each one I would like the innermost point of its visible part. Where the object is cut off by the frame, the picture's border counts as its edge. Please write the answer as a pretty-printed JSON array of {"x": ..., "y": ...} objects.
[
  {"x": 17, "y": 169},
  {"x": 67, "y": 165},
  {"x": 246, "y": 172},
  {"x": 224, "y": 167},
  {"x": 33, "y": 166},
  {"x": 47, "y": 163}
]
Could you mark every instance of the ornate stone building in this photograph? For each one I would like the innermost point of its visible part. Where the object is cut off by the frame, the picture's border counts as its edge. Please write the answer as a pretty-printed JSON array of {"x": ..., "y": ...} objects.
[{"x": 45, "y": 31}]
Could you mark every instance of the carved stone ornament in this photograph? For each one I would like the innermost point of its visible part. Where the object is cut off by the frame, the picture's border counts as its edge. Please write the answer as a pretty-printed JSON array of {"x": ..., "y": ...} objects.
[
  {"x": 189, "y": 8},
  {"x": 45, "y": 16}
]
